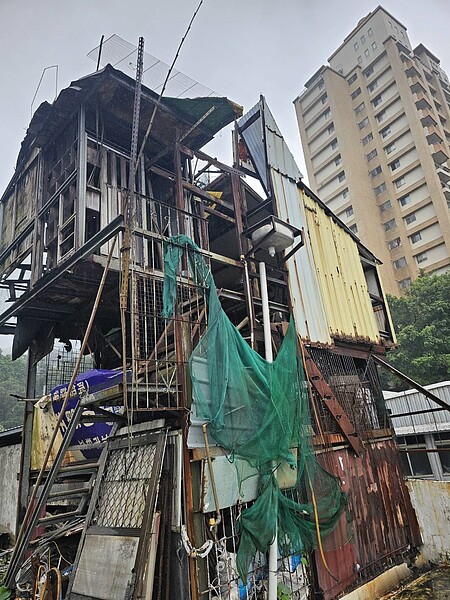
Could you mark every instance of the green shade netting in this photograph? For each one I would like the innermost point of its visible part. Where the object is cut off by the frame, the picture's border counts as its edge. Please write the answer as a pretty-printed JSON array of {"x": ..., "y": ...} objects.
[{"x": 259, "y": 412}]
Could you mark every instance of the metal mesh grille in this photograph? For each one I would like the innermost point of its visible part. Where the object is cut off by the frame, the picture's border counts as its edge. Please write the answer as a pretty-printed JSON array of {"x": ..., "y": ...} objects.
[
  {"x": 123, "y": 490},
  {"x": 57, "y": 367},
  {"x": 122, "y": 55},
  {"x": 220, "y": 579},
  {"x": 159, "y": 346},
  {"x": 355, "y": 384}
]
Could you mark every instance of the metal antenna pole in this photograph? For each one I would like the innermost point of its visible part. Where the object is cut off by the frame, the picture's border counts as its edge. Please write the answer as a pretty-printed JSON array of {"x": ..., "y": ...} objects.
[{"x": 128, "y": 212}]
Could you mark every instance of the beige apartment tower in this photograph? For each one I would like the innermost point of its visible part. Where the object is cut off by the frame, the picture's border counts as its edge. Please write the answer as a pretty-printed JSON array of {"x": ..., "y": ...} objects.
[{"x": 375, "y": 131}]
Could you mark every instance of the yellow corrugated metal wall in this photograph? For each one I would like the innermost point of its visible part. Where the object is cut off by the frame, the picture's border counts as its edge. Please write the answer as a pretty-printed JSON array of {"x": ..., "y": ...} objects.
[{"x": 341, "y": 278}]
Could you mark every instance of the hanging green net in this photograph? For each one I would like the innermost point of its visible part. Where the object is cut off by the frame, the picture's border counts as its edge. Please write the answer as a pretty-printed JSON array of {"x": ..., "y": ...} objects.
[{"x": 259, "y": 412}]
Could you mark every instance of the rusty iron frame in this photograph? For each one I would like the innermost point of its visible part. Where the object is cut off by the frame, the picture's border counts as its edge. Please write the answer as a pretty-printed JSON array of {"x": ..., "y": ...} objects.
[{"x": 317, "y": 380}]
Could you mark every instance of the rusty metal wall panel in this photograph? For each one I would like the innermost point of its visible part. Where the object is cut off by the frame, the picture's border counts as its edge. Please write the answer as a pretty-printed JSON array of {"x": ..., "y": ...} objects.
[
  {"x": 341, "y": 277},
  {"x": 383, "y": 523}
]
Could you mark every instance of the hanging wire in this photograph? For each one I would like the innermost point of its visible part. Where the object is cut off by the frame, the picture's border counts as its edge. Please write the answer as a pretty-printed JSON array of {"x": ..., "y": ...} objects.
[{"x": 169, "y": 72}]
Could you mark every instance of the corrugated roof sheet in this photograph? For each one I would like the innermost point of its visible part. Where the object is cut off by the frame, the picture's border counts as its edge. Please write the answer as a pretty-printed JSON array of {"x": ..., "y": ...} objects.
[
  {"x": 341, "y": 277},
  {"x": 328, "y": 288}
]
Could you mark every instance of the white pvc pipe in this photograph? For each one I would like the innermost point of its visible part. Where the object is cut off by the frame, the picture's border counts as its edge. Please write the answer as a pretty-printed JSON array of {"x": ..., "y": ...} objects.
[
  {"x": 273, "y": 548},
  {"x": 265, "y": 309}
]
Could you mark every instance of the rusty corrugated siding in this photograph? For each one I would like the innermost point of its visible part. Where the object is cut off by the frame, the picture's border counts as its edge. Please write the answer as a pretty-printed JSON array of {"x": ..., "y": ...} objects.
[{"x": 382, "y": 521}]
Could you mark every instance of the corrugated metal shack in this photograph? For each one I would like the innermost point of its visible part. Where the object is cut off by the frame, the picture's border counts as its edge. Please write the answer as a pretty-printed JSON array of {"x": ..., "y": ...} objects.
[{"x": 81, "y": 254}]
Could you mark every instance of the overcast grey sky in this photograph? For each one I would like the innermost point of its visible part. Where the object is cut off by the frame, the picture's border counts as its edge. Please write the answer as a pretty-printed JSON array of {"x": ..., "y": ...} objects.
[{"x": 239, "y": 48}]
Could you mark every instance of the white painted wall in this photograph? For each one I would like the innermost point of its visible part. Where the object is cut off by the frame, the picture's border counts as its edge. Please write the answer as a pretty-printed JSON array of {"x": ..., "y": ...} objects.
[
  {"x": 9, "y": 485},
  {"x": 431, "y": 501}
]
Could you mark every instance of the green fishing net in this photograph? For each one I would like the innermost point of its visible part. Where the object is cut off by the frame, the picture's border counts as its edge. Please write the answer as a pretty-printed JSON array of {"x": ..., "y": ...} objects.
[{"x": 259, "y": 412}]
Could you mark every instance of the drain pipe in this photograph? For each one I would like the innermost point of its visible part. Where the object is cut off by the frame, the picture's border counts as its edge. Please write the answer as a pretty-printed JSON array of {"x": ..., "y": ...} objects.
[
  {"x": 273, "y": 548},
  {"x": 213, "y": 522}
]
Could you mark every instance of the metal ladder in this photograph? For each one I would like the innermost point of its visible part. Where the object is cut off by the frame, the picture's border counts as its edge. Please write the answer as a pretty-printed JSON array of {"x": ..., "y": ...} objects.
[{"x": 62, "y": 475}]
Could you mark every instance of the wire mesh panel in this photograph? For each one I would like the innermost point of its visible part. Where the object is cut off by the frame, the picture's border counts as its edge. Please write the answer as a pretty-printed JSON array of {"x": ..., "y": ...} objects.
[
  {"x": 57, "y": 367},
  {"x": 220, "y": 577},
  {"x": 161, "y": 347},
  {"x": 355, "y": 384},
  {"x": 121, "y": 500}
]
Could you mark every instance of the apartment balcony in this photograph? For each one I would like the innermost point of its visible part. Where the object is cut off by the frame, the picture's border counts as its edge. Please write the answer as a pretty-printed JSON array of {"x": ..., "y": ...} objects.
[
  {"x": 411, "y": 69},
  {"x": 427, "y": 118},
  {"x": 422, "y": 101},
  {"x": 446, "y": 190},
  {"x": 416, "y": 85},
  {"x": 433, "y": 135},
  {"x": 443, "y": 173},
  {"x": 439, "y": 154}
]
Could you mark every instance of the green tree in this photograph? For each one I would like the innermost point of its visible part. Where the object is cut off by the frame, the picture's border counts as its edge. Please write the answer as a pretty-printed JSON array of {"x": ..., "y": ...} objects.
[
  {"x": 422, "y": 323},
  {"x": 13, "y": 378}
]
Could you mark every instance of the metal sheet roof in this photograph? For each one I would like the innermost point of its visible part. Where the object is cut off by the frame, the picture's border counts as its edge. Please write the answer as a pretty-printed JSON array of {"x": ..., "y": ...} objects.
[
  {"x": 329, "y": 293},
  {"x": 411, "y": 401}
]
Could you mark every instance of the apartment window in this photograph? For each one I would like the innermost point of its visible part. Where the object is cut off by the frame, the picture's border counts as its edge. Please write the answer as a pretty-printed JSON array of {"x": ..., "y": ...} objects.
[
  {"x": 321, "y": 84},
  {"x": 404, "y": 200},
  {"x": 385, "y": 206},
  {"x": 422, "y": 257},
  {"x": 395, "y": 165},
  {"x": 356, "y": 45},
  {"x": 405, "y": 283},
  {"x": 352, "y": 79},
  {"x": 410, "y": 218},
  {"x": 356, "y": 93},
  {"x": 414, "y": 463},
  {"x": 330, "y": 128},
  {"x": 376, "y": 101},
  {"x": 366, "y": 52},
  {"x": 367, "y": 139},
  {"x": 380, "y": 189},
  {"x": 399, "y": 182},
  {"x": 390, "y": 148},
  {"x": 363, "y": 123},
  {"x": 395, "y": 243},
  {"x": 370, "y": 32},
  {"x": 354, "y": 228},
  {"x": 324, "y": 98},
  {"x": 373, "y": 86},
  {"x": 400, "y": 263},
  {"x": 415, "y": 237},
  {"x": 374, "y": 45},
  {"x": 372, "y": 155},
  {"x": 375, "y": 172},
  {"x": 345, "y": 193},
  {"x": 381, "y": 116},
  {"x": 391, "y": 224},
  {"x": 341, "y": 176},
  {"x": 327, "y": 113},
  {"x": 334, "y": 144},
  {"x": 338, "y": 160},
  {"x": 349, "y": 211},
  {"x": 359, "y": 59},
  {"x": 359, "y": 108},
  {"x": 368, "y": 72},
  {"x": 442, "y": 440},
  {"x": 363, "y": 39},
  {"x": 385, "y": 132}
]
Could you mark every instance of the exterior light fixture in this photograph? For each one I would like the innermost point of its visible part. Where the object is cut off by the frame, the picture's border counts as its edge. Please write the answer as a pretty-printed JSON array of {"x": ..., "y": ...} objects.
[{"x": 274, "y": 235}]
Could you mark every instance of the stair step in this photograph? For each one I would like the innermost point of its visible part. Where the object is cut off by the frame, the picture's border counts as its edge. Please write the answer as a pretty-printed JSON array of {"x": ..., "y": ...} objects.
[{"x": 71, "y": 492}]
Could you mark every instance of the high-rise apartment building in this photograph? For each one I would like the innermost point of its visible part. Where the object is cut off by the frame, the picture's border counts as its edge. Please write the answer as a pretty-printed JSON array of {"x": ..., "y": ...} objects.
[{"x": 375, "y": 130}]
